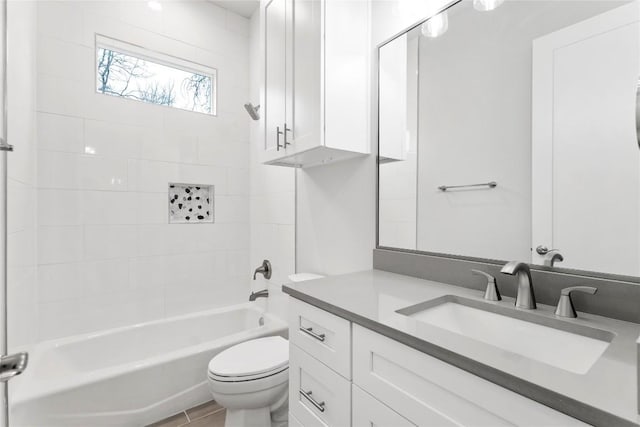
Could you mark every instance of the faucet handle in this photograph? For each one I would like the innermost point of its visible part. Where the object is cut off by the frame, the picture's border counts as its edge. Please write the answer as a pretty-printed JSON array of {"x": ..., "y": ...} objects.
[
  {"x": 491, "y": 293},
  {"x": 565, "y": 306}
]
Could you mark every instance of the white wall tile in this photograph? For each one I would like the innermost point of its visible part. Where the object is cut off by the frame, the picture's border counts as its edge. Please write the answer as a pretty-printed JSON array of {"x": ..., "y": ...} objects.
[
  {"x": 109, "y": 241},
  {"x": 105, "y": 277},
  {"x": 60, "y": 244},
  {"x": 78, "y": 64},
  {"x": 102, "y": 173},
  {"x": 153, "y": 239},
  {"x": 111, "y": 139},
  {"x": 59, "y": 282},
  {"x": 232, "y": 209},
  {"x": 62, "y": 95},
  {"x": 238, "y": 181},
  {"x": 60, "y": 133},
  {"x": 152, "y": 176},
  {"x": 108, "y": 207},
  {"x": 107, "y": 256},
  {"x": 58, "y": 170},
  {"x": 52, "y": 13},
  {"x": 151, "y": 208},
  {"x": 169, "y": 146},
  {"x": 59, "y": 207}
]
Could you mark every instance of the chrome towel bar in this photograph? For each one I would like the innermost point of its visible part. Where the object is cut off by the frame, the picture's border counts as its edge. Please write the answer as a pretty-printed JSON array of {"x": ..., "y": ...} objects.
[{"x": 491, "y": 184}]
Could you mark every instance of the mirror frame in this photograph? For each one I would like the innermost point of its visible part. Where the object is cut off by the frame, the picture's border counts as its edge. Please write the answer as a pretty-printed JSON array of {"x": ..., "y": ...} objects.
[{"x": 534, "y": 267}]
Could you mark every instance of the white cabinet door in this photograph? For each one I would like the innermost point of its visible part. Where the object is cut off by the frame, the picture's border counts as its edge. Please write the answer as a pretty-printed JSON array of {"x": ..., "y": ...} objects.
[
  {"x": 369, "y": 412},
  {"x": 317, "y": 395},
  {"x": 429, "y": 392},
  {"x": 318, "y": 332},
  {"x": 275, "y": 74},
  {"x": 306, "y": 69}
]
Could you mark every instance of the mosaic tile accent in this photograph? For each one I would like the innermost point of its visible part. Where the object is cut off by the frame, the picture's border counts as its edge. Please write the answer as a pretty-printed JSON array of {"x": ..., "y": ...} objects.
[{"x": 190, "y": 203}]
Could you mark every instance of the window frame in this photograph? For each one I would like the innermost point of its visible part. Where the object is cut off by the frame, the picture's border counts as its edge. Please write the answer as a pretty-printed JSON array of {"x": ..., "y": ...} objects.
[{"x": 137, "y": 51}]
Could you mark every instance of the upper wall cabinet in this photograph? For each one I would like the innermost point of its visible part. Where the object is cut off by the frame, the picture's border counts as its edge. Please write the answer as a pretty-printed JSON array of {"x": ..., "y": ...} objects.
[{"x": 316, "y": 93}]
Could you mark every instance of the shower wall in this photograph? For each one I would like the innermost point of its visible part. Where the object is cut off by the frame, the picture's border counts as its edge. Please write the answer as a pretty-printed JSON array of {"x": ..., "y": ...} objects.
[
  {"x": 21, "y": 221},
  {"x": 106, "y": 255}
]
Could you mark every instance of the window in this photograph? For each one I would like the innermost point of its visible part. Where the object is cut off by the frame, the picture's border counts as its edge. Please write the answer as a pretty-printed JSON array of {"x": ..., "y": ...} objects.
[{"x": 130, "y": 72}]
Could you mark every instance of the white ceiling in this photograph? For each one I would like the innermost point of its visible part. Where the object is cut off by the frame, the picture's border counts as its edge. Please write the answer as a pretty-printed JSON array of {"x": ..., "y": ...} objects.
[{"x": 241, "y": 7}]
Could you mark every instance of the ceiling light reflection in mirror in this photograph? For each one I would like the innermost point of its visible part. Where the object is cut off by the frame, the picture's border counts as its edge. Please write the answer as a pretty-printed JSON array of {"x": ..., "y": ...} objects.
[{"x": 436, "y": 25}]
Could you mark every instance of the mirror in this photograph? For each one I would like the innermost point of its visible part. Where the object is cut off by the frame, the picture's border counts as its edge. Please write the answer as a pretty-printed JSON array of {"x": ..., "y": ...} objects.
[{"x": 507, "y": 131}]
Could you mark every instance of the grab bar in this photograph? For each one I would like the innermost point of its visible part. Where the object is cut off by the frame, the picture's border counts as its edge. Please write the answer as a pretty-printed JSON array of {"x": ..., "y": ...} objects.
[{"x": 491, "y": 184}]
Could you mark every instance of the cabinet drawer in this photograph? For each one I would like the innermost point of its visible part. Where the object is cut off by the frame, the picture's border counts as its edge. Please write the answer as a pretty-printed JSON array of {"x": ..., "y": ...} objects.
[
  {"x": 368, "y": 411},
  {"x": 293, "y": 421},
  {"x": 428, "y": 391},
  {"x": 317, "y": 395},
  {"x": 322, "y": 334}
]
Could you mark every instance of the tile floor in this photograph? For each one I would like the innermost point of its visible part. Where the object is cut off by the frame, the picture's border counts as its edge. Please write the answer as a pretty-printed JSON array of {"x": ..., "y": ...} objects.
[{"x": 208, "y": 414}]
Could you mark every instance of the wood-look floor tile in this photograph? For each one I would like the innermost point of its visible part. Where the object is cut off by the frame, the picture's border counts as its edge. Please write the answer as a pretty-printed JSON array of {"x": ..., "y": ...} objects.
[
  {"x": 174, "y": 421},
  {"x": 202, "y": 410},
  {"x": 212, "y": 420}
]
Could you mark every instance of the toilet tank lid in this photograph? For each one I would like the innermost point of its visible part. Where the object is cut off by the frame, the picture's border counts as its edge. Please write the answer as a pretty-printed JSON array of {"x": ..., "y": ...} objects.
[
  {"x": 302, "y": 277},
  {"x": 251, "y": 357}
]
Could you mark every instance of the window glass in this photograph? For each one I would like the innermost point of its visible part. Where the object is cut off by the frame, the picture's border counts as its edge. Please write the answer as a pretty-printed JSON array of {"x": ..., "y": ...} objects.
[{"x": 135, "y": 77}]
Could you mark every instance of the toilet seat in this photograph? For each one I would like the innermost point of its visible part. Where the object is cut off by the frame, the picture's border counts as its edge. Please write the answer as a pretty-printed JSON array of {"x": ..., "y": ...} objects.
[{"x": 251, "y": 360}]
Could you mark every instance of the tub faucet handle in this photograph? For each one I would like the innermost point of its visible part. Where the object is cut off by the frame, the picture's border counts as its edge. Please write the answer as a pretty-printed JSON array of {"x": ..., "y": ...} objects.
[
  {"x": 264, "y": 269},
  {"x": 491, "y": 293}
]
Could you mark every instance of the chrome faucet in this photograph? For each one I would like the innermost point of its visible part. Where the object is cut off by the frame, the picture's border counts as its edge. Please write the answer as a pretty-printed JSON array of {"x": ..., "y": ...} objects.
[
  {"x": 260, "y": 294},
  {"x": 264, "y": 269},
  {"x": 552, "y": 257},
  {"x": 525, "y": 298}
]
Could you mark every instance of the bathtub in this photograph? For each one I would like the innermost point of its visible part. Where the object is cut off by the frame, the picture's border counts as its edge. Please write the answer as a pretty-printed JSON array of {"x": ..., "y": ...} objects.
[{"x": 131, "y": 376}]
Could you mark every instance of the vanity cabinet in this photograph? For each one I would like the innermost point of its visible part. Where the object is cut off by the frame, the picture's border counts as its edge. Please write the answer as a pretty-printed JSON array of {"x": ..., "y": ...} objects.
[
  {"x": 387, "y": 383},
  {"x": 316, "y": 58}
]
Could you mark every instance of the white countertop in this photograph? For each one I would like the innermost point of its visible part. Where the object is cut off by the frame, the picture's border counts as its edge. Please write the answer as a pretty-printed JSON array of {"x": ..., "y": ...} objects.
[{"x": 371, "y": 299}]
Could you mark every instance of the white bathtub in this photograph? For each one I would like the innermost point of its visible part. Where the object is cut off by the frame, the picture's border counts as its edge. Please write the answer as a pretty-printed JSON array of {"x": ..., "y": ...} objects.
[{"x": 130, "y": 376}]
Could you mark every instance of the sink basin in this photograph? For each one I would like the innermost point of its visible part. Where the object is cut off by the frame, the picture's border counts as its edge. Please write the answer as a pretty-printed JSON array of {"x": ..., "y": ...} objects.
[{"x": 565, "y": 345}]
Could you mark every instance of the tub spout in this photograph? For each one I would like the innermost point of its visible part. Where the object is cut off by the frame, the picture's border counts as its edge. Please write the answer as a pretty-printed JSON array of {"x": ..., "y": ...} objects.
[{"x": 260, "y": 294}]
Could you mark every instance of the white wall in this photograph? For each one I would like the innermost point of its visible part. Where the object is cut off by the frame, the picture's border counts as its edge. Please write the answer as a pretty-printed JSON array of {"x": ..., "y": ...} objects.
[
  {"x": 22, "y": 286},
  {"x": 336, "y": 204},
  {"x": 106, "y": 255},
  {"x": 272, "y": 198}
]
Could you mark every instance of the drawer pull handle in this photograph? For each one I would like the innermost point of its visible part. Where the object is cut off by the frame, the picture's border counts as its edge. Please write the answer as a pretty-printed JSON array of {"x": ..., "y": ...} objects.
[
  {"x": 307, "y": 395},
  {"x": 309, "y": 331}
]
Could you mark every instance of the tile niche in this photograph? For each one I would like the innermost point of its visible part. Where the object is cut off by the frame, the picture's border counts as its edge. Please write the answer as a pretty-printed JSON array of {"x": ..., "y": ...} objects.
[{"x": 191, "y": 203}]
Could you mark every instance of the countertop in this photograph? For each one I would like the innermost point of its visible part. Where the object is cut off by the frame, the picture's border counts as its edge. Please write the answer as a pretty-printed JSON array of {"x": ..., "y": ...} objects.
[{"x": 606, "y": 395}]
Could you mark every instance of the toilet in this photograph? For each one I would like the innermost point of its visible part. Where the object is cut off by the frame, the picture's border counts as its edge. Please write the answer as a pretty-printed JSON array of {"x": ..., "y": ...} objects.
[{"x": 251, "y": 381}]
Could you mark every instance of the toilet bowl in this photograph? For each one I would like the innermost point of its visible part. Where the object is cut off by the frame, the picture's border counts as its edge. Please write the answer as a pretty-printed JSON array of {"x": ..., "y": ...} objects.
[{"x": 251, "y": 381}]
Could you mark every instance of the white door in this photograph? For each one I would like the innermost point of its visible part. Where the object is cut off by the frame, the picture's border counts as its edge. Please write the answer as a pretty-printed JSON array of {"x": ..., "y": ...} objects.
[
  {"x": 586, "y": 161},
  {"x": 275, "y": 75}
]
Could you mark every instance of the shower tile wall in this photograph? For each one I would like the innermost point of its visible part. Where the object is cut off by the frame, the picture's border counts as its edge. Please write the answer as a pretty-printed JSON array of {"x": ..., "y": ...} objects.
[
  {"x": 21, "y": 272},
  {"x": 101, "y": 265}
]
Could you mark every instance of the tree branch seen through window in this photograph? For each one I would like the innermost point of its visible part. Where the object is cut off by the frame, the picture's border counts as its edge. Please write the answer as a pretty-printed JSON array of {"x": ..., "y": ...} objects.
[{"x": 127, "y": 76}]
